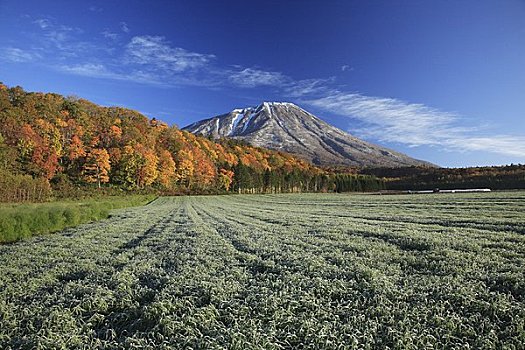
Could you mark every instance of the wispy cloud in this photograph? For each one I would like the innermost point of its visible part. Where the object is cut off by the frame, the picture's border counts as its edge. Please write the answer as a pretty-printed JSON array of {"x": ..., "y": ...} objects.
[
  {"x": 98, "y": 70},
  {"x": 43, "y": 23},
  {"x": 156, "y": 53},
  {"x": 143, "y": 59},
  {"x": 95, "y": 70},
  {"x": 393, "y": 120},
  {"x": 250, "y": 77},
  {"x": 124, "y": 27},
  {"x": 501, "y": 144},
  {"x": 308, "y": 87},
  {"x": 414, "y": 124},
  {"x": 14, "y": 54},
  {"x": 109, "y": 35},
  {"x": 61, "y": 41}
]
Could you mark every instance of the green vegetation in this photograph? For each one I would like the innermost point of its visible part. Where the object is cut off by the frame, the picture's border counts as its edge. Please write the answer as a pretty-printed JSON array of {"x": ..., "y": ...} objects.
[
  {"x": 311, "y": 271},
  {"x": 18, "y": 221}
]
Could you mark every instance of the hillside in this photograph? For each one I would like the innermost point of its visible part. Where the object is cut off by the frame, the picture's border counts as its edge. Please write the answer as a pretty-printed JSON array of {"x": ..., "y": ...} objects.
[
  {"x": 287, "y": 127},
  {"x": 48, "y": 141}
]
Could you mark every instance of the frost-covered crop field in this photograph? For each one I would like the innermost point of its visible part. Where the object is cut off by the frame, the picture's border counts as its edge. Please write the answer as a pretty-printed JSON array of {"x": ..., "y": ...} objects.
[{"x": 313, "y": 271}]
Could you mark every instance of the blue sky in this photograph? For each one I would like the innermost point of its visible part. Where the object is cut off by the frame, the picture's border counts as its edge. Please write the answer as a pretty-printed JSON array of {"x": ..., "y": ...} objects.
[{"x": 442, "y": 81}]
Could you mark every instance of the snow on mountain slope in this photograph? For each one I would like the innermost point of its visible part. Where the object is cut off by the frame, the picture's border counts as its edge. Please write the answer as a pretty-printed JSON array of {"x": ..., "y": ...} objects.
[{"x": 286, "y": 127}]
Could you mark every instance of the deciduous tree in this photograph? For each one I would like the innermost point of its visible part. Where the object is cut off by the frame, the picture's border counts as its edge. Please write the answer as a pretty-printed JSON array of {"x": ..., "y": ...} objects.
[
  {"x": 97, "y": 166},
  {"x": 166, "y": 170}
]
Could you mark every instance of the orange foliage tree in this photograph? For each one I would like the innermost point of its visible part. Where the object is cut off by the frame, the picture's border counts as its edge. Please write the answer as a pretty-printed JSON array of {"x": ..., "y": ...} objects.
[{"x": 76, "y": 148}]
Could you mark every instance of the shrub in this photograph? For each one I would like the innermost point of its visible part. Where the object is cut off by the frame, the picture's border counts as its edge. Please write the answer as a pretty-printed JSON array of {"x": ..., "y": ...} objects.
[
  {"x": 7, "y": 227},
  {"x": 72, "y": 215}
]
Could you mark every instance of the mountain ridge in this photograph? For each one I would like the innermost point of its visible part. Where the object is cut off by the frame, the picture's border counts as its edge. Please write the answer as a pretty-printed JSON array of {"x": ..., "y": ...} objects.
[{"x": 287, "y": 127}]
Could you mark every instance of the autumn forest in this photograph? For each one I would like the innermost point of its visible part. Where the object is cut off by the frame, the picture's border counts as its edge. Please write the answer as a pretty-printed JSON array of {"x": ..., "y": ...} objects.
[{"x": 55, "y": 146}]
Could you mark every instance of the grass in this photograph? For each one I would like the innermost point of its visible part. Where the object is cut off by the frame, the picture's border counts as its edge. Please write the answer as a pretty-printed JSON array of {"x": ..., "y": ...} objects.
[
  {"x": 19, "y": 221},
  {"x": 307, "y": 271}
]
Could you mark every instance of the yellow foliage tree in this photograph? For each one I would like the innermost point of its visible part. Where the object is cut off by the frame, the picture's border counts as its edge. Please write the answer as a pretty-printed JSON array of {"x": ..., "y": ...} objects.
[
  {"x": 185, "y": 166},
  {"x": 166, "y": 169},
  {"x": 225, "y": 179},
  {"x": 148, "y": 171},
  {"x": 97, "y": 166}
]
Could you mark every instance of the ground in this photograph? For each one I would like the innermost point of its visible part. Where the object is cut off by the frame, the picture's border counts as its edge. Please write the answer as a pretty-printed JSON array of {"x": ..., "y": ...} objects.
[{"x": 316, "y": 271}]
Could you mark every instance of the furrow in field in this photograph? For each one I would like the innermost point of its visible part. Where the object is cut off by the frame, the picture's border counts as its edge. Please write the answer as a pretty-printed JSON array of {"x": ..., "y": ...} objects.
[
  {"x": 273, "y": 272},
  {"x": 355, "y": 203},
  {"x": 408, "y": 238},
  {"x": 62, "y": 251},
  {"x": 444, "y": 220},
  {"x": 283, "y": 258},
  {"x": 288, "y": 214},
  {"x": 406, "y": 235},
  {"x": 86, "y": 275},
  {"x": 301, "y": 247}
]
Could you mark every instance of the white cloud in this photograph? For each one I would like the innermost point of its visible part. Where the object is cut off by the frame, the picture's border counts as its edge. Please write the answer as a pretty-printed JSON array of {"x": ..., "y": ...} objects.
[
  {"x": 42, "y": 23},
  {"x": 97, "y": 70},
  {"x": 393, "y": 120},
  {"x": 250, "y": 77},
  {"x": 124, "y": 27},
  {"x": 109, "y": 35},
  {"x": 58, "y": 38},
  {"x": 156, "y": 53},
  {"x": 414, "y": 124},
  {"x": 89, "y": 69},
  {"x": 308, "y": 87},
  {"x": 61, "y": 41},
  {"x": 13, "y": 54},
  {"x": 502, "y": 144}
]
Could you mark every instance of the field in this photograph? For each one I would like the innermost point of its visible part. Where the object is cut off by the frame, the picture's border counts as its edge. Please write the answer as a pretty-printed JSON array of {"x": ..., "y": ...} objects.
[{"x": 311, "y": 271}]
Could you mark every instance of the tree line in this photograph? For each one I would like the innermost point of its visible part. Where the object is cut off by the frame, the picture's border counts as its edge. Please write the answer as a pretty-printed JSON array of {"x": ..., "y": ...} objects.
[
  {"x": 51, "y": 145},
  {"x": 249, "y": 181},
  {"x": 419, "y": 178}
]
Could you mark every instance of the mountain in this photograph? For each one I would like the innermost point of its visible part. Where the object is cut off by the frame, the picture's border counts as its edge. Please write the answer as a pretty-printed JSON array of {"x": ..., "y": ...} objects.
[{"x": 286, "y": 127}]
